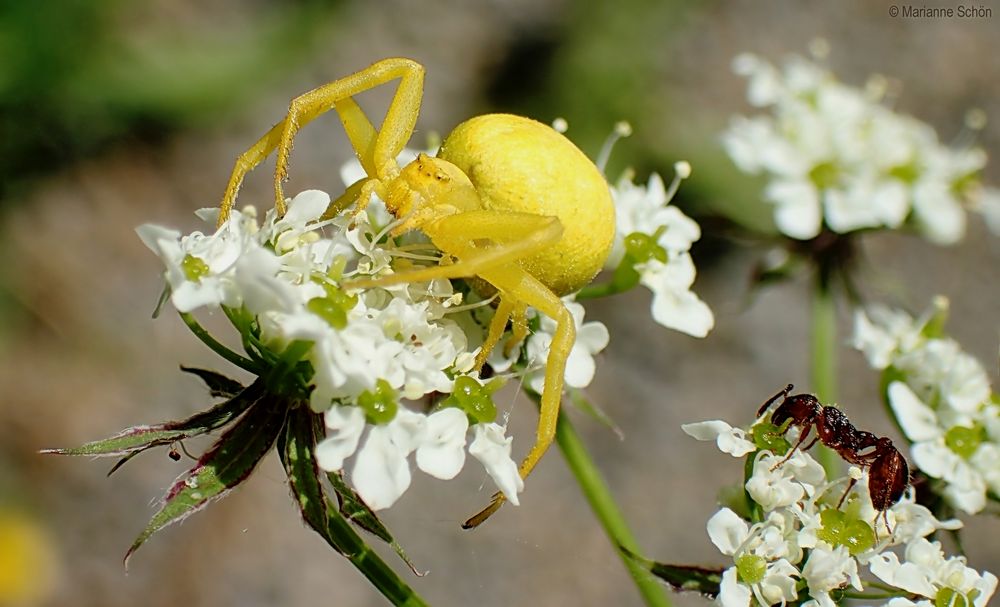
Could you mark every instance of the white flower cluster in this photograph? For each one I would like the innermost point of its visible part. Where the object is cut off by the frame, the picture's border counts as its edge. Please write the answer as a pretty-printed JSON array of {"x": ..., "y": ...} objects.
[
  {"x": 662, "y": 235},
  {"x": 371, "y": 345},
  {"x": 837, "y": 157},
  {"x": 801, "y": 539},
  {"x": 942, "y": 399}
]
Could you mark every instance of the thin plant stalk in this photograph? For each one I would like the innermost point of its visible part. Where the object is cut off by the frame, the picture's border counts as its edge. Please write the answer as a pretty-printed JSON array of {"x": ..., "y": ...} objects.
[
  {"x": 603, "y": 504},
  {"x": 824, "y": 360}
]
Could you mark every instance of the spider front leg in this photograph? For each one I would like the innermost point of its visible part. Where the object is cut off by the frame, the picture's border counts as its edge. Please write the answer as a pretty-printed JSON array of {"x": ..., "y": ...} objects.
[{"x": 376, "y": 149}]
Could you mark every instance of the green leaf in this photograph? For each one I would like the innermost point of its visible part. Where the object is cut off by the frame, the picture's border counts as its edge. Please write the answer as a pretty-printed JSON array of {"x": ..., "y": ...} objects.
[
  {"x": 219, "y": 385},
  {"x": 354, "y": 509},
  {"x": 295, "y": 447},
  {"x": 682, "y": 577},
  {"x": 225, "y": 465},
  {"x": 133, "y": 440}
]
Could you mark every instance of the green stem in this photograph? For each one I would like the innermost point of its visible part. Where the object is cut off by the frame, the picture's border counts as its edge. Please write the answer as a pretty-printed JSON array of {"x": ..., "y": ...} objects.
[
  {"x": 603, "y": 504},
  {"x": 601, "y": 290},
  {"x": 199, "y": 331},
  {"x": 343, "y": 538},
  {"x": 824, "y": 360}
]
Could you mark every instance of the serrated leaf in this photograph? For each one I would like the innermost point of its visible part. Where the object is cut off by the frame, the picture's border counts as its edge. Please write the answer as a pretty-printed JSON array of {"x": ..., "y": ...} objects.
[
  {"x": 219, "y": 386},
  {"x": 354, "y": 509},
  {"x": 139, "y": 438},
  {"x": 225, "y": 465},
  {"x": 682, "y": 577}
]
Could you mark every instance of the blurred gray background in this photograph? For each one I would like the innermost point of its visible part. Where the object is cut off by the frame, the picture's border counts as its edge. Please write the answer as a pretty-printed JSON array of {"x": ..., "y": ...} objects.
[{"x": 114, "y": 114}]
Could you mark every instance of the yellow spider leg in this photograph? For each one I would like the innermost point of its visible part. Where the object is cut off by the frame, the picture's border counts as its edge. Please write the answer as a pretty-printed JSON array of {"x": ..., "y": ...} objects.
[
  {"x": 519, "y": 328},
  {"x": 397, "y": 126},
  {"x": 523, "y": 287},
  {"x": 497, "y": 325},
  {"x": 515, "y": 235},
  {"x": 360, "y": 131}
]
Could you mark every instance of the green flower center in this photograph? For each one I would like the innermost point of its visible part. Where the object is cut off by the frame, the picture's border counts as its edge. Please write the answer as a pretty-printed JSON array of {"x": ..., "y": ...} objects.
[
  {"x": 750, "y": 568},
  {"x": 964, "y": 440},
  {"x": 907, "y": 173},
  {"x": 843, "y": 529},
  {"x": 194, "y": 269},
  {"x": 643, "y": 247},
  {"x": 334, "y": 307},
  {"x": 825, "y": 175},
  {"x": 767, "y": 436},
  {"x": 381, "y": 405},
  {"x": 475, "y": 399}
]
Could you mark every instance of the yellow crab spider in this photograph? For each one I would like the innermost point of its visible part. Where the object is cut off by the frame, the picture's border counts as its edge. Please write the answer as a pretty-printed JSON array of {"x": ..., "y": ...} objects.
[{"x": 510, "y": 201}]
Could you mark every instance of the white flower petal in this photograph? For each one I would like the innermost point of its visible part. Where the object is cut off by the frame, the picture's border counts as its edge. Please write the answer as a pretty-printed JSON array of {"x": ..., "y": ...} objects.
[
  {"x": 492, "y": 449},
  {"x": 442, "y": 453},
  {"x": 348, "y": 423},
  {"x": 381, "y": 473},
  {"x": 727, "y": 531},
  {"x": 919, "y": 422},
  {"x": 729, "y": 439}
]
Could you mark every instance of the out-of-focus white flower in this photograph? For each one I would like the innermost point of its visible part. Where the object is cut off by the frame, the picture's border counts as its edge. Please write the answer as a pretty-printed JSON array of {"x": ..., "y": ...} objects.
[
  {"x": 729, "y": 439},
  {"x": 927, "y": 573},
  {"x": 492, "y": 449},
  {"x": 838, "y": 159},
  {"x": 591, "y": 338}
]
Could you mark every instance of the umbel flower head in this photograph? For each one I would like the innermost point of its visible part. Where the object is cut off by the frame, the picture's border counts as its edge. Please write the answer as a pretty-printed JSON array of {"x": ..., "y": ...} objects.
[
  {"x": 941, "y": 398},
  {"x": 796, "y": 536},
  {"x": 838, "y": 158}
]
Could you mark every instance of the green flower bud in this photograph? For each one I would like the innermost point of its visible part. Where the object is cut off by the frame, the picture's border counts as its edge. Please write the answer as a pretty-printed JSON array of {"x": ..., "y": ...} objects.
[
  {"x": 766, "y": 435},
  {"x": 750, "y": 568},
  {"x": 194, "y": 268},
  {"x": 381, "y": 405},
  {"x": 643, "y": 247},
  {"x": 964, "y": 440},
  {"x": 475, "y": 399}
]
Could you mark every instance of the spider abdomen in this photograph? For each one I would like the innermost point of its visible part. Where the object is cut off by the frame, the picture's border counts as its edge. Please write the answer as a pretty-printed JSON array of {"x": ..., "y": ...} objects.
[{"x": 518, "y": 164}]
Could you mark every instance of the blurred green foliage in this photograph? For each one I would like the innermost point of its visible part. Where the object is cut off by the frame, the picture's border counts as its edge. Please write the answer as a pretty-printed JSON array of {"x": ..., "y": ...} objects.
[
  {"x": 76, "y": 75},
  {"x": 605, "y": 63}
]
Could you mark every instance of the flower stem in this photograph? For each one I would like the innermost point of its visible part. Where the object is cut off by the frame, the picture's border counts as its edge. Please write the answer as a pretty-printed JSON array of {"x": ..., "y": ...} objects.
[
  {"x": 200, "y": 332},
  {"x": 604, "y": 506},
  {"x": 824, "y": 360},
  {"x": 368, "y": 562}
]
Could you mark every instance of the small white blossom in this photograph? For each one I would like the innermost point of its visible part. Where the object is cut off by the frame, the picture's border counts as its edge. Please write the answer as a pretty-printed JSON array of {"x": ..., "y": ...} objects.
[
  {"x": 838, "y": 159},
  {"x": 442, "y": 453},
  {"x": 591, "y": 338},
  {"x": 729, "y": 439},
  {"x": 492, "y": 449},
  {"x": 776, "y": 486},
  {"x": 829, "y": 568},
  {"x": 927, "y": 573},
  {"x": 646, "y": 210},
  {"x": 772, "y": 578},
  {"x": 943, "y": 402}
]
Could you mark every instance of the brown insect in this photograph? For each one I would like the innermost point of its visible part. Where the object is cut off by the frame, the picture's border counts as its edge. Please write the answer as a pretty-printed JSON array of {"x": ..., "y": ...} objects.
[{"x": 888, "y": 473}]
